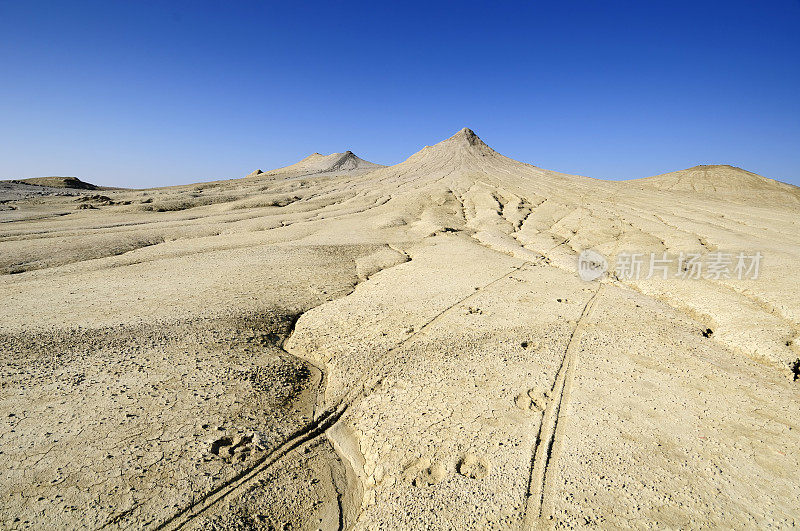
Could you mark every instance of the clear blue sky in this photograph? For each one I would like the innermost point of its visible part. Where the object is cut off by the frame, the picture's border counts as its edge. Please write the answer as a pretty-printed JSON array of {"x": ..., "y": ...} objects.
[{"x": 146, "y": 93}]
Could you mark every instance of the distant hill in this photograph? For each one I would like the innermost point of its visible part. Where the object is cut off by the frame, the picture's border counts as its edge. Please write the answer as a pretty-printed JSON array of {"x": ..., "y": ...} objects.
[
  {"x": 718, "y": 179},
  {"x": 333, "y": 163},
  {"x": 58, "y": 182}
]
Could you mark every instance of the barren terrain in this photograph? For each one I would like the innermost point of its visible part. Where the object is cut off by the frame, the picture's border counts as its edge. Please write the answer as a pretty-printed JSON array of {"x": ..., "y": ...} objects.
[{"x": 338, "y": 344}]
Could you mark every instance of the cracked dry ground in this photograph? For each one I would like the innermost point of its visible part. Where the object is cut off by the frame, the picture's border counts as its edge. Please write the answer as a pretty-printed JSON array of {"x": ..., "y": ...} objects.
[{"x": 403, "y": 348}]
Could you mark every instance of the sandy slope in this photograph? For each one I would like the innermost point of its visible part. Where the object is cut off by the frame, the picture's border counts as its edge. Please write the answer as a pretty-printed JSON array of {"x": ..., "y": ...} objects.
[{"x": 447, "y": 367}]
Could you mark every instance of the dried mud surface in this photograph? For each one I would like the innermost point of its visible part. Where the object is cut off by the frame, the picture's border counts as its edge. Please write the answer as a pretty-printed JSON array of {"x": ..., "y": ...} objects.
[{"x": 340, "y": 345}]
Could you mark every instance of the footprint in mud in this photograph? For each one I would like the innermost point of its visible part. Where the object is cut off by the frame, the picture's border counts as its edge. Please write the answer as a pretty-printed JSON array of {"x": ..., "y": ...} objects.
[
  {"x": 473, "y": 466},
  {"x": 236, "y": 448},
  {"x": 424, "y": 472},
  {"x": 532, "y": 400}
]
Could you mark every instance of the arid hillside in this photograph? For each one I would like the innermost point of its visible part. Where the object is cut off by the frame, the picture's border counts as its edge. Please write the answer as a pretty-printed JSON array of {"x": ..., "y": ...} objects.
[{"x": 339, "y": 344}]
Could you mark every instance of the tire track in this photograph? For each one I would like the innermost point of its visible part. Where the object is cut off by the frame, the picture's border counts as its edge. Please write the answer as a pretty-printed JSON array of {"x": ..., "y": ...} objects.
[{"x": 549, "y": 440}]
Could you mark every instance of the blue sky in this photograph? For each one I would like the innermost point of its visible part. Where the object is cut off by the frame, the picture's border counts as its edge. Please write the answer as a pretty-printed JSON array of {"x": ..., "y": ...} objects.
[{"x": 146, "y": 93}]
